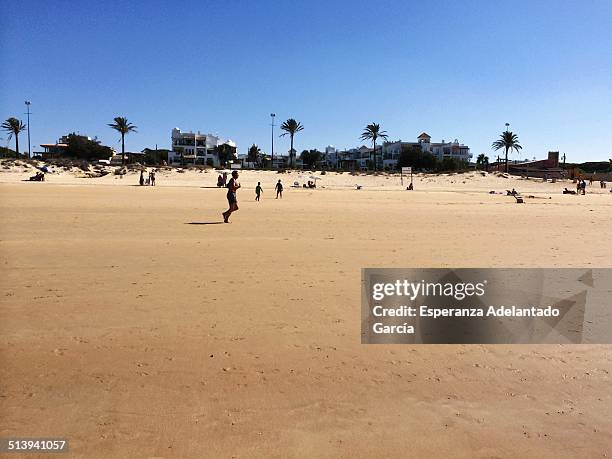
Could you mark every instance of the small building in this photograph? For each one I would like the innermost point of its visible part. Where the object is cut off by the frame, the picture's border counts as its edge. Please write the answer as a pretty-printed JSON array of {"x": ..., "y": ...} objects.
[
  {"x": 131, "y": 157},
  {"x": 544, "y": 168},
  {"x": 52, "y": 150},
  {"x": 59, "y": 149}
]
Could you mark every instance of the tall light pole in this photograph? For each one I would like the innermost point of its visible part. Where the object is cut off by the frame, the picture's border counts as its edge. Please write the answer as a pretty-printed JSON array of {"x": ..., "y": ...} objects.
[
  {"x": 272, "y": 115},
  {"x": 28, "y": 103}
]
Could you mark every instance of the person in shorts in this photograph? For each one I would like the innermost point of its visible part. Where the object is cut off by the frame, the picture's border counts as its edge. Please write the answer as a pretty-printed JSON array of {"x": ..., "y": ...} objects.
[
  {"x": 258, "y": 191},
  {"x": 232, "y": 187}
]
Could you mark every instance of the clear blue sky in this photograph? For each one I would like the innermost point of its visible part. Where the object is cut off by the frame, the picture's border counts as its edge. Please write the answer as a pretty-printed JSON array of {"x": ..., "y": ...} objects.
[{"x": 455, "y": 69}]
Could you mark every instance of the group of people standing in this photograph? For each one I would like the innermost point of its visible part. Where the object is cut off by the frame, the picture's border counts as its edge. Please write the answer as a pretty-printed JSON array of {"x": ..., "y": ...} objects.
[
  {"x": 233, "y": 186},
  {"x": 150, "y": 180}
]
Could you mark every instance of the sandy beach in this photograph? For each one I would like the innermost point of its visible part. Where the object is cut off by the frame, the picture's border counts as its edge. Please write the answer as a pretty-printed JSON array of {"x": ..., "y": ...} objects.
[{"x": 135, "y": 324}]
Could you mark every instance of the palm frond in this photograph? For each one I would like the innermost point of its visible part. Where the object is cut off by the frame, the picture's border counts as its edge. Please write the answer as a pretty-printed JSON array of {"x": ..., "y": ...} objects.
[
  {"x": 122, "y": 125},
  {"x": 507, "y": 140},
  {"x": 13, "y": 126},
  {"x": 290, "y": 127},
  {"x": 373, "y": 132}
]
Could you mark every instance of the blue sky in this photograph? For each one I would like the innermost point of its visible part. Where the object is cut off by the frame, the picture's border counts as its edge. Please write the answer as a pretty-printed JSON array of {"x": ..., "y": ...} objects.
[{"x": 455, "y": 69}]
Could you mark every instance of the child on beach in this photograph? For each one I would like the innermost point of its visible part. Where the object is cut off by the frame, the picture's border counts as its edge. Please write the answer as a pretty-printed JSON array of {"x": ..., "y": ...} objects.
[
  {"x": 279, "y": 189},
  {"x": 258, "y": 191}
]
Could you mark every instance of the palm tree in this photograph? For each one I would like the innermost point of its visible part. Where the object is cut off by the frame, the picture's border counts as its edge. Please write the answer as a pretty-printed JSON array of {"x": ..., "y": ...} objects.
[
  {"x": 124, "y": 127},
  {"x": 508, "y": 141},
  {"x": 14, "y": 126},
  {"x": 482, "y": 160},
  {"x": 373, "y": 132},
  {"x": 291, "y": 127},
  {"x": 254, "y": 154}
]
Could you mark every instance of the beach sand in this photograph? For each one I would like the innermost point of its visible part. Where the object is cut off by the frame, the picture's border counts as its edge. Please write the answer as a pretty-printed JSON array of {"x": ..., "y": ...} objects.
[{"x": 134, "y": 324}]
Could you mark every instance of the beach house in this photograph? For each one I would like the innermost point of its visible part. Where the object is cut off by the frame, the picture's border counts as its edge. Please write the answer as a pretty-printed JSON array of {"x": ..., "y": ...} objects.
[
  {"x": 198, "y": 148},
  {"x": 80, "y": 144},
  {"x": 391, "y": 151}
]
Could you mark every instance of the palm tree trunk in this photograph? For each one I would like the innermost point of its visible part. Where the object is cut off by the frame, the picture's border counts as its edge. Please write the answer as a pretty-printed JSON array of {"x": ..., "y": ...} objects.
[
  {"x": 291, "y": 153},
  {"x": 374, "y": 155},
  {"x": 122, "y": 149},
  {"x": 16, "y": 145},
  {"x": 506, "y": 160}
]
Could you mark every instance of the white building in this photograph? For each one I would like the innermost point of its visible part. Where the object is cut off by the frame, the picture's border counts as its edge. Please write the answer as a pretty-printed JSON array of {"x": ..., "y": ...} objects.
[
  {"x": 391, "y": 150},
  {"x": 196, "y": 148},
  {"x": 332, "y": 157}
]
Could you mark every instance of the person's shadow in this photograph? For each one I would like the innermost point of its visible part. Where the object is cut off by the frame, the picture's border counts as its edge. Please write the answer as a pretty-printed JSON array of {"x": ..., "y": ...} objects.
[{"x": 204, "y": 223}]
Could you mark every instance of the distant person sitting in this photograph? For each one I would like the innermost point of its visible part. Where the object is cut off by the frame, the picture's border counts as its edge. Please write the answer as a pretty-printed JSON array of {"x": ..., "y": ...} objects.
[
  {"x": 39, "y": 177},
  {"x": 566, "y": 191},
  {"x": 219, "y": 181},
  {"x": 410, "y": 187}
]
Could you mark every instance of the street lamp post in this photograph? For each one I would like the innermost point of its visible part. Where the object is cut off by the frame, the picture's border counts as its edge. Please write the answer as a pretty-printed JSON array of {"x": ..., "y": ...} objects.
[
  {"x": 272, "y": 115},
  {"x": 28, "y": 103}
]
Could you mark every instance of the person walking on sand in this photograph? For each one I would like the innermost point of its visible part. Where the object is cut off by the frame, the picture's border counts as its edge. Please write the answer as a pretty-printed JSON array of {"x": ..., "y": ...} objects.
[
  {"x": 232, "y": 187},
  {"x": 279, "y": 189},
  {"x": 142, "y": 178},
  {"x": 258, "y": 191},
  {"x": 152, "y": 177}
]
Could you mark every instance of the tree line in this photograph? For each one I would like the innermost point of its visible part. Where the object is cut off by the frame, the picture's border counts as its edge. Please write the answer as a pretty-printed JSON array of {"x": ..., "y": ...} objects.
[{"x": 83, "y": 148}]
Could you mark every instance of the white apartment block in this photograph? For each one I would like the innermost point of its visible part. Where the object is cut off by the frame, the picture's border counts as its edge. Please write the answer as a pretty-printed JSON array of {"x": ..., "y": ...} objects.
[
  {"x": 391, "y": 150},
  {"x": 195, "y": 148}
]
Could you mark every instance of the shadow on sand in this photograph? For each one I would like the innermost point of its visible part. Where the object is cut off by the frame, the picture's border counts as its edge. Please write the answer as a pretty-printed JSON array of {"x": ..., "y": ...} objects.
[{"x": 205, "y": 223}]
